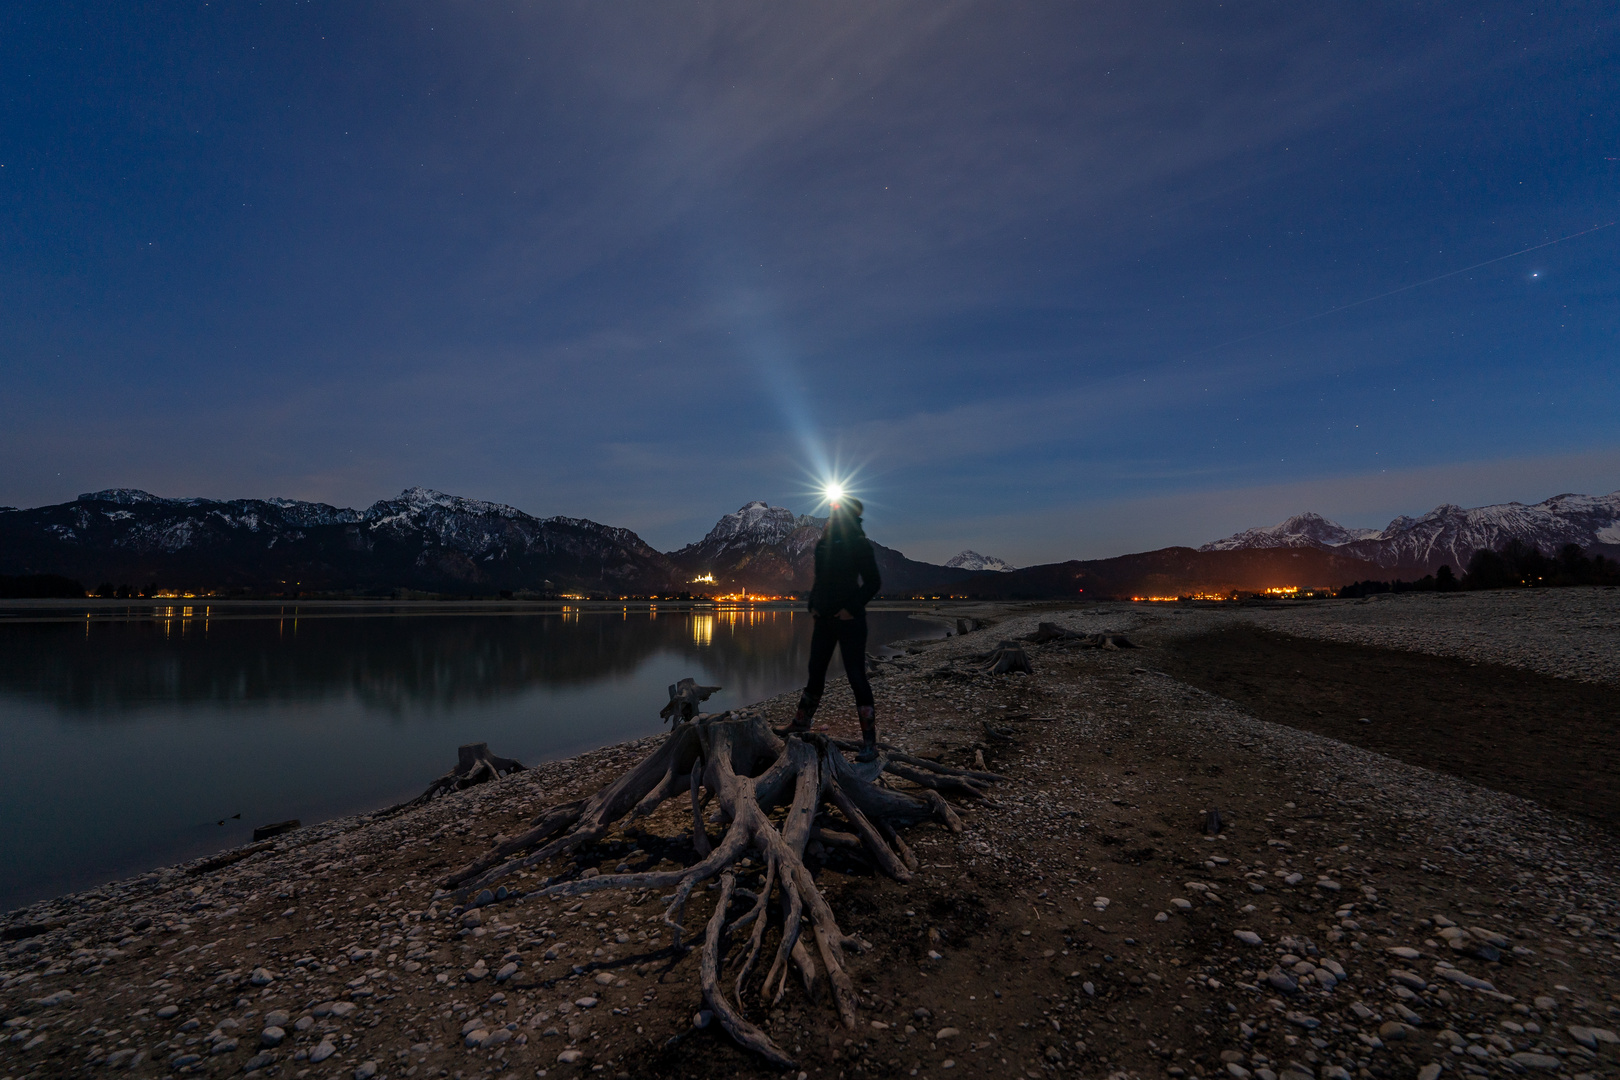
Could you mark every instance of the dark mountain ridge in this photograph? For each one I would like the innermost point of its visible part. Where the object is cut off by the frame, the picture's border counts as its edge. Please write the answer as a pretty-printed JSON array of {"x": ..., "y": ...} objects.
[
  {"x": 428, "y": 541},
  {"x": 422, "y": 539}
]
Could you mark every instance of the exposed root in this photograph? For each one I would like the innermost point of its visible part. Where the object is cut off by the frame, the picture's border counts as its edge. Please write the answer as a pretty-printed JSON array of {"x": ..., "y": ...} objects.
[{"x": 750, "y": 774}]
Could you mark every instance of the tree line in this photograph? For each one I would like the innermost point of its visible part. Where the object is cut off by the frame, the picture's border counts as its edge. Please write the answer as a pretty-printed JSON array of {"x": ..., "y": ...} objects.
[{"x": 1515, "y": 565}]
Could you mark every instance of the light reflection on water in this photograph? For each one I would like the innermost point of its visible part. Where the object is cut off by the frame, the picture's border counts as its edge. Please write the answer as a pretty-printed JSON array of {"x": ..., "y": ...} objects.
[{"x": 124, "y": 741}]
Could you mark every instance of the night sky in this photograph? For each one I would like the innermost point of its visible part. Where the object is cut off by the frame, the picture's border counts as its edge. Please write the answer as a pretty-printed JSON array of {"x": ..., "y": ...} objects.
[{"x": 1050, "y": 278}]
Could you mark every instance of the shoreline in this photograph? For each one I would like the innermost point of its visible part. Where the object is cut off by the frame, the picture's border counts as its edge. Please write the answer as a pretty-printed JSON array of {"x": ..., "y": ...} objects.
[{"x": 1044, "y": 937}]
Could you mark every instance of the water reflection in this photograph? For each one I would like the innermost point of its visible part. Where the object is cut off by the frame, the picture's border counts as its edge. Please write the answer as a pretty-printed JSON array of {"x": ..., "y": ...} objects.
[
  {"x": 185, "y": 656},
  {"x": 184, "y": 715}
]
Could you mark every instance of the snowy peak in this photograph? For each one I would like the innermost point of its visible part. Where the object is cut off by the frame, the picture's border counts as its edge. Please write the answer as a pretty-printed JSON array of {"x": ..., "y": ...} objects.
[
  {"x": 420, "y": 500},
  {"x": 757, "y": 524},
  {"x": 972, "y": 560},
  {"x": 1449, "y": 534},
  {"x": 123, "y": 497},
  {"x": 1301, "y": 530}
]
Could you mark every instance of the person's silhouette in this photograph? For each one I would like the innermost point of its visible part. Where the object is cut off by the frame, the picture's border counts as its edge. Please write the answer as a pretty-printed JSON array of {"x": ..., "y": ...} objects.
[{"x": 846, "y": 579}]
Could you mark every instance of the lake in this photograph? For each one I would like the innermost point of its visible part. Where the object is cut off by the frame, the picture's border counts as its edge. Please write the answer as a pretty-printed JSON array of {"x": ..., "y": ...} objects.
[{"x": 127, "y": 735}]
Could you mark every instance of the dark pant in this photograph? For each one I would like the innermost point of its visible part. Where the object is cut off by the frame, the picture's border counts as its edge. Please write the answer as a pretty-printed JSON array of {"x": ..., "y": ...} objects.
[{"x": 849, "y": 635}]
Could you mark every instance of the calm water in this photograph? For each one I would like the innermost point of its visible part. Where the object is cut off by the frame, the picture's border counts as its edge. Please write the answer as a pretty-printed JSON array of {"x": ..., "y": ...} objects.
[{"x": 124, "y": 740}]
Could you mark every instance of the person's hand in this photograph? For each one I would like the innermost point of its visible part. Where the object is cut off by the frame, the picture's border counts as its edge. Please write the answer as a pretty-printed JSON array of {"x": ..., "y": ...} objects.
[{"x": 843, "y": 613}]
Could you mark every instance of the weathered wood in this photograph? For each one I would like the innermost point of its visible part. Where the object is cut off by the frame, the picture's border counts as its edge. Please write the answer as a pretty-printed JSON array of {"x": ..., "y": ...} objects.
[
  {"x": 684, "y": 698},
  {"x": 749, "y": 772}
]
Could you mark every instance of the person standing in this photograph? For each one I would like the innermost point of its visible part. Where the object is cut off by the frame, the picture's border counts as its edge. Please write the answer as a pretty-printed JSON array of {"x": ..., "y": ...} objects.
[{"x": 846, "y": 580}]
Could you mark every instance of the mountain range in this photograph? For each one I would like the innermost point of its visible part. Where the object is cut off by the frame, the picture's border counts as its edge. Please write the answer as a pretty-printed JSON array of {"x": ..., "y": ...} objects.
[
  {"x": 1448, "y": 535},
  {"x": 429, "y": 541}
]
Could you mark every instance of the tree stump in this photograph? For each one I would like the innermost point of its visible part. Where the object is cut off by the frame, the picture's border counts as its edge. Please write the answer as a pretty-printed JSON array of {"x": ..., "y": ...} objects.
[
  {"x": 1048, "y": 632},
  {"x": 474, "y": 765},
  {"x": 755, "y": 777},
  {"x": 1008, "y": 657}
]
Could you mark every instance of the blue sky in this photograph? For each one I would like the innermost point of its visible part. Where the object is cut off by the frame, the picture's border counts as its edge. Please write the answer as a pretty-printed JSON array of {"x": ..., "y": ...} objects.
[{"x": 1036, "y": 271}]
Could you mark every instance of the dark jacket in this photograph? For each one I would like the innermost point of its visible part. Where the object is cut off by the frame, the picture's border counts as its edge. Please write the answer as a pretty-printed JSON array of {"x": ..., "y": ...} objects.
[{"x": 846, "y": 569}]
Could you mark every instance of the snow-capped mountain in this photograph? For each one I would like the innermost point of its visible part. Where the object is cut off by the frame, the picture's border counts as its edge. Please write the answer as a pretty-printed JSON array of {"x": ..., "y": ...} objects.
[
  {"x": 764, "y": 548},
  {"x": 972, "y": 560},
  {"x": 421, "y": 539},
  {"x": 1301, "y": 530},
  {"x": 756, "y": 525},
  {"x": 1449, "y": 534}
]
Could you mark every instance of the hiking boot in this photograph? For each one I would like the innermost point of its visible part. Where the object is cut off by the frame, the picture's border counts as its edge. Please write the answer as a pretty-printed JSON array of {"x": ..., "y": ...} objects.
[
  {"x": 869, "y": 748},
  {"x": 803, "y": 717}
]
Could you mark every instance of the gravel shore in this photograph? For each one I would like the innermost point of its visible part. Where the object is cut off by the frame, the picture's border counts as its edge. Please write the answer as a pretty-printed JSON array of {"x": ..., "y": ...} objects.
[{"x": 1353, "y": 917}]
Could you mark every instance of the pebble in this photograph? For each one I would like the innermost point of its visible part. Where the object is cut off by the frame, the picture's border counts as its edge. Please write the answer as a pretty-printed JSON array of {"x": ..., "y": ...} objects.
[
  {"x": 224, "y": 1046},
  {"x": 1180, "y": 905},
  {"x": 569, "y": 1057},
  {"x": 1248, "y": 937},
  {"x": 1405, "y": 952},
  {"x": 272, "y": 1036},
  {"x": 507, "y": 971},
  {"x": 587, "y": 1002},
  {"x": 604, "y": 978},
  {"x": 322, "y": 1051},
  {"x": 1282, "y": 981},
  {"x": 258, "y": 1061},
  {"x": 277, "y": 1018},
  {"x": 1462, "y": 978},
  {"x": 946, "y": 1033},
  {"x": 1431, "y": 1071},
  {"x": 366, "y": 1071},
  {"x": 477, "y": 972},
  {"x": 1535, "y": 1061},
  {"x": 261, "y": 977},
  {"x": 168, "y": 1012}
]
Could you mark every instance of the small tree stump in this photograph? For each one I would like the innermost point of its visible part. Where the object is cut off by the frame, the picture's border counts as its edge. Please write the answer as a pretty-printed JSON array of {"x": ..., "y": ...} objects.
[
  {"x": 474, "y": 765},
  {"x": 1008, "y": 657}
]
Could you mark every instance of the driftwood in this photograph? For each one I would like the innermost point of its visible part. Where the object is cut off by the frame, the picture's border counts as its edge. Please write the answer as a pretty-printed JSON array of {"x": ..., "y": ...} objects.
[
  {"x": 684, "y": 698},
  {"x": 474, "y": 765},
  {"x": 774, "y": 796}
]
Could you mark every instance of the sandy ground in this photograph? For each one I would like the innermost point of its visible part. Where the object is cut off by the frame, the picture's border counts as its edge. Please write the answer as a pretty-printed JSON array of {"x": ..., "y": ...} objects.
[{"x": 1357, "y": 915}]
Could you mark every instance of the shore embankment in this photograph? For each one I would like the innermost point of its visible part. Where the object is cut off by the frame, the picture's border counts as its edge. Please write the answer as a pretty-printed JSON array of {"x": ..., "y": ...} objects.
[{"x": 1356, "y": 914}]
